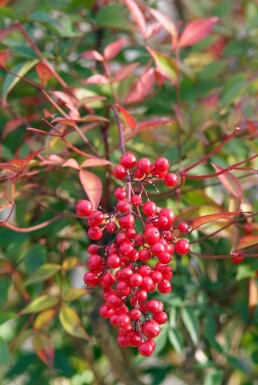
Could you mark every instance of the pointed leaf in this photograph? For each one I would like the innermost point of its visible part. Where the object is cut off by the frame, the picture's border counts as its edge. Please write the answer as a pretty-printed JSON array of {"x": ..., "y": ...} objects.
[
  {"x": 130, "y": 121},
  {"x": 72, "y": 294},
  {"x": 97, "y": 162},
  {"x": 69, "y": 122},
  {"x": 176, "y": 339},
  {"x": 92, "y": 185},
  {"x": 11, "y": 80},
  {"x": 113, "y": 49},
  {"x": 93, "y": 55},
  {"x": 71, "y": 322},
  {"x": 196, "y": 31},
  {"x": 137, "y": 15},
  {"x": 44, "y": 272},
  {"x": 164, "y": 21},
  {"x": 5, "y": 357},
  {"x": 44, "y": 348},
  {"x": 230, "y": 182},
  {"x": 70, "y": 263},
  {"x": 211, "y": 218},
  {"x": 96, "y": 79},
  {"x": 248, "y": 241},
  {"x": 190, "y": 323},
  {"x": 6, "y": 31},
  {"x": 142, "y": 87},
  {"x": 71, "y": 163},
  {"x": 150, "y": 124},
  {"x": 165, "y": 64},
  {"x": 3, "y": 3},
  {"x": 124, "y": 72},
  {"x": 3, "y": 58},
  {"x": 44, "y": 73},
  {"x": 44, "y": 318},
  {"x": 41, "y": 303}
]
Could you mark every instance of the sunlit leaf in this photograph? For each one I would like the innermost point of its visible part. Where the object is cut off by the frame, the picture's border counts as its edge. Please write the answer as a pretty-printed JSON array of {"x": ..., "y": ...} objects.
[
  {"x": 70, "y": 263},
  {"x": 92, "y": 185},
  {"x": 41, "y": 303},
  {"x": 71, "y": 163},
  {"x": 230, "y": 182},
  {"x": 196, "y": 31},
  {"x": 71, "y": 322},
  {"x": 93, "y": 55},
  {"x": 72, "y": 294},
  {"x": 164, "y": 21},
  {"x": 137, "y": 15},
  {"x": 44, "y": 348},
  {"x": 129, "y": 119},
  {"x": 247, "y": 241},
  {"x": 165, "y": 64},
  {"x": 113, "y": 49},
  {"x": 44, "y": 73},
  {"x": 142, "y": 87},
  {"x": 44, "y": 318},
  {"x": 44, "y": 272},
  {"x": 211, "y": 218},
  {"x": 97, "y": 162}
]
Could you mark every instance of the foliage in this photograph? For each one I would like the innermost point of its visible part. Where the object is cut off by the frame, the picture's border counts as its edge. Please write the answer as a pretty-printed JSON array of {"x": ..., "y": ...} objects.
[{"x": 183, "y": 77}]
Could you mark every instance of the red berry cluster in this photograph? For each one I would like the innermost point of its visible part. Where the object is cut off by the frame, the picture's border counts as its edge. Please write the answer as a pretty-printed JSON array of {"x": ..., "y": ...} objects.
[{"x": 135, "y": 263}]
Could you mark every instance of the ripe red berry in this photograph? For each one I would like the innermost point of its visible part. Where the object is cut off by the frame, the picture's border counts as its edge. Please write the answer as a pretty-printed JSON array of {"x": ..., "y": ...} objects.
[
  {"x": 123, "y": 206},
  {"x": 135, "y": 339},
  {"x": 111, "y": 227},
  {"x": 148, "y": 284},
  {"x": 136, "y": 279},
  {"x": 145, "y": 349},
  {"x": 161, "y": 164},
  {"x": 95, "y": 263},
  {"x": 84, "y": 208},
  {"x": 182, "y": 246},
  {"x": 119, "y": 172},
  {"x": 95, "y": 218},
  {"x": 149, "y": 208},
  {"x": 141, "y": 295},
  {"x": 135, "y": 314},
  {"x": 169, "y": 214},
  {"x": 164, "y": 286},
  {"x": 123, "y": 341},
  {"x": 120, "y": 193},
  {"x": 160, "y": 318},
  {"x": 171, "y": 180},
  {"x": 153, "y": 306},
  {"x": 158, "y": 249},
  {"x": 144, "y": 165},
  {"x": 238, "y": 259},
  {"x": 151, "y": 329},
  {"x": 128, "y": 160},
  {"x": 91, "y": 279},
  {"x": 123, "y": 288},
  {"x": 93, "y": 249},
  {"x": 136, "y": 200},
  {"x": 95, "y": 233},
  {"x": 106, "y": 312},
  {"x": 152, "y": 235},
  {"x": 113, "y": 261},
  {"x": 127, "y": 221},
  {"x": 183, "y": 227},
  {"x": 144, "y": 255}
]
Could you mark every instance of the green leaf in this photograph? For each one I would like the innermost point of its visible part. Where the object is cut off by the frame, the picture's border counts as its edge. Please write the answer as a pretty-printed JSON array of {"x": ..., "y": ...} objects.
[
  {"x": 214, "y": 377},
  {"x": 165, "y": 64},
  {"x": 35, "y": 257},
  {"x": 71, "y": 322},
  {"x": 41, "y": 303},
  {"x": 113, "y": 16},
  {"x": 10, "y": 81},
  {"x": 245, "y": 271},
  {"x": 72, "y": 294},
  {"x": 176, "y": 339},
  {"x": 5, "y": 357},
  {"x": 190, "y": 322},
  {"x": 161, "y": 340},
  {"x": 44, "y": 272}
]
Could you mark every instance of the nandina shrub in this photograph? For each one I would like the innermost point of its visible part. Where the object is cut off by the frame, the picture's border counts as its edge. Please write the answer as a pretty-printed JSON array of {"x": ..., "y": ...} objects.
[{"x": 128, "y": 156}]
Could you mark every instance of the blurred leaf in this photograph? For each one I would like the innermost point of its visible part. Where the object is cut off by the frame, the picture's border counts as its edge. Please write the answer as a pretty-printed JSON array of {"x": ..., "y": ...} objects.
[
  {"x": 211, "y": 218},
  {"x": 97, "y": 162},
  {"x": 165, "y": 64},
  {"x": 129, "y": 119},
  {"x": 5, "y": 357},
  {"x": 164, "y": 21},
  {"x": 214, "y": 377},
  {"x": 141, "y": 88},
  {"x": 34, "y": 258},
  {"x": 44, "y": 272},
  {"x": 113, "y": 49},
  {"x": 44, "y": 318},
  {"x": 10, "y": 81},
  {"x": 113, "y": 16},
  {"x": 230, "y": 182},
  {"x": 44, "y": 348},
  {"x": 244, "y": 271},
  {"x": 71, "y": 322},
  {"x": 44, "y": 73},
  {"x": 70, "y": 263},
  {"x": 137, "y": 15},
  {"x": 92, "y": 185},
  {"x": 248, "y": 241},
  {"x": 191, "y": 323},
  {"x": 176, "y": 339},
  {"x": 196, "y": 31},
  {"x": 41, "y": 303},
  {"x": 72, "y": 294}
]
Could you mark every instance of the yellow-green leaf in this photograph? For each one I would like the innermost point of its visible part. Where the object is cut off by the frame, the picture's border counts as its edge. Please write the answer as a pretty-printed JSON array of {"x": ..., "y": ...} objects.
[
  {"x": 70, "y": 263},
  {"x": 5, "y": 357},
  {"x": 71, "y": 322},
  {"x": 72, "y": 294},
  {"x": 41, "y": 303},
  {"x": 44, "y": 318},
  {"x": 165, "y": 64},
  {"x": 44, "y": 272}
]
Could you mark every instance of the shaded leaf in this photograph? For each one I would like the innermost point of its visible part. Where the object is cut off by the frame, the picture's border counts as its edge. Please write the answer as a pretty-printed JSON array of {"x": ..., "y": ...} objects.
[
  {"x": 11, "y": 80},
  {"x": 44, "y": 348},
  {"x": 92, "y": 185},
  {"x": 5, "y": 356},
  {"x": 176, "y": 339},
  {"x": 211, "y": 218},
  {"x": 5, "y": 267},
  {"x": 72, "y": 294},
  {"x": 71, "y": 322},
  {"x": 124, "y": 72},
  {"x": 70, "y": 263},
  {"x": 129, "y": 119},
  {"x": 41, "y": 303},
  {"x": 95, "y": 162},
  {"x": 44, "y": 318},
  {"x": 196, "y": 31},
  {"x": 165, "y": 64},
  {"x": 164, "y": 21},
  {"x": 137, "y": 15},
  {"x": 93, "y": 55},
  {"x": 230, "y": 182},
  {"x": 6, "y": 31},
  {"x": 44, "y": 73},
  {"x": 44, "y": 272},
  {"x": 113, "y": 49},
  {"x": 142, "y": 87},
  {"x": 247, "y": 241},
  {"x": 190, "y": 322}
]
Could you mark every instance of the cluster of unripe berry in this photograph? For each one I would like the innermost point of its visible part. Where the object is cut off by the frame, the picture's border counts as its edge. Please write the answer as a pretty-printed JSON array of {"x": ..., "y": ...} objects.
[{"x": 135, "y": 262}]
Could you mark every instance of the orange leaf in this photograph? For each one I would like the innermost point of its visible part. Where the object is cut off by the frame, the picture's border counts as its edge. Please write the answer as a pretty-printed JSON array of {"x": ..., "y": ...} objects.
[
  {"x": 127, "y": 117},
  {"x": 124, "y": 72},
  {"x": 253, "y": 293},
  {"x": 92, "y": 185},
  {"x": 71, "y": 163},
  {"x": 3, "y": 3},
  {"x": 44, "y": 348},
  {"x": 137, "y": 15},
  {"x": 113, "y": 49},
  {"x": 44, "y": 73},
  {"x": 3, "y": 58},
  {"x": 248, "y": 241},
  {"x": 211, "y": 218},
  {"x": 164, "y": 22},
  {"x": 150, "y": 124},
  {"x": 196, "y": 31},
  {"x": 230, "y": 182},
  {"x": 142, "y": 87},
  {"x": 95, "y": 162},
  {"x": 44, "y": 318}
]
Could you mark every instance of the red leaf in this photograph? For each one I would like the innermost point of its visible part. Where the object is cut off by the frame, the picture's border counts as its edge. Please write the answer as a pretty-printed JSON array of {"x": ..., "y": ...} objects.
[
  {"x": 11, "y": 126},
  {"x": 165, "y": 22},
  {"x": 93, "y": 55},
  {"x": 142, "y": 87},
  {"x": 71, "y": 163},
  {"x": 96, "y": 79},
  {"x": 113, "y": 49},
  {"x": 44, "y": 349},
  {"x": 248, "y": 241},
  {"x": 196, "y": 31},
  {"x": 124, "y": 72},
  {"x": 211, "y": 218},
  {"x": 150, "y": 124},
  {"x": 137, "y": 15},
  {"x": 230, "y": 182},
  {"x": 253, "y": 129},
  {"x": 3, "y": 3},
  {"x": 95, "y": 162},
  {"x": 69, "y": 122},
  {"x": 92, "y": 185},
  {"x": 127, "y": 117},
  {"x": 44, "y": 73},
  {"x": 6, "y": 31},
  {"x": 3, "y": 58},
  {"x": 31, "y": 156}
]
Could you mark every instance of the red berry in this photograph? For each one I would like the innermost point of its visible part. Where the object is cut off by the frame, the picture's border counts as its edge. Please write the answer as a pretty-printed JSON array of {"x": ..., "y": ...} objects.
[
  {"x": 95, "y": 233},
  {"x": 165, "y": 258},
  {"x": 144, "y": 165},
  {"x": 148, "y": 284},
  {"x": 123, "y": 320},
  {"x": 183, "y": 227},
  {"x": 169, "y": 214},
  {"x": 123, "y": 288},
  {"x": 158, "y": 249},
  {"x": 84, "y": 208},
  {"x": 152, "y": 235},
  {"x": 95, "y": 218},
  {"x": 153, "y": 306},
  {"x": 106, "y": 312},
  {"x": 113, "y": 261},
  {"x": 95, "y": 263},
  {"x": 162, "y": 164},
  {"x": 164, "y": 287},
  {"x": 135, "y": 339},
  {"x": 111, "y": 227},
  {"x": 120, "y": 193},
  {"x": 135, "y": 314},
  {"x": 171, "y": 180},
  {"x": 114, "y": 301},
  {"x": 160, "y": 318},
  {"x": 136, "y": 200},
  {"x": 119, "y": 172},
  {"x": 144, "y": 270},
  {"x": 151, "y": 329},
  {"x": 123, "y": 206},
  {"x": 144, "y": 255},
  {"x": 136, "y": 279},
  {"x": 156, "y": 276},
  {"x": 127, "y": 221},
  {"x": 238, "y": 259},
  {"x": 141, "y": 295},
  {"x": 106, "y": 281},
  {"x": 128, "y": 160},
  {"x": 145, "y": 349},
  {"x": 123, "y": 341},
  {"x": 91, "y": 279},
  {"x": 93, "y": 249},
  {"x": 149, "y": 208},
  {"x": 182, "y": 246}
]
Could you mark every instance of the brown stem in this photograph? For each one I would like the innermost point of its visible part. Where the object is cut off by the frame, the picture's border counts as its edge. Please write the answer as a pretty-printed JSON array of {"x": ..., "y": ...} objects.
[{"x": 32, "y": 228}]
